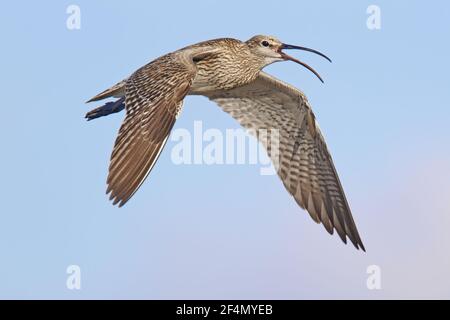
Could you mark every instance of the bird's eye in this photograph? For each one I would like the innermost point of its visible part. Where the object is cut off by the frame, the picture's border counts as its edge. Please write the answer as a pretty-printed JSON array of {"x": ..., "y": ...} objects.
[{"x": 265, "y": 43}]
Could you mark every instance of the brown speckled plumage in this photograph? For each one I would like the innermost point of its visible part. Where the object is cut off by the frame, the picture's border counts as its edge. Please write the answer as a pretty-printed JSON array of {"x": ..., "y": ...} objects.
[{"x": 228, "y": 72}]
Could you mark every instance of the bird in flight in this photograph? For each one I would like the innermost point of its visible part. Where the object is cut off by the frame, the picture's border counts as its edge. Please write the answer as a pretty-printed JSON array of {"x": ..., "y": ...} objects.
[{"x": 228, "y": 72}]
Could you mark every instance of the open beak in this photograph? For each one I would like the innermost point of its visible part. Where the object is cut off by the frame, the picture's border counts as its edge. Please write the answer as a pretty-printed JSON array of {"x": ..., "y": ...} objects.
[{"x": 288, "y": 57}]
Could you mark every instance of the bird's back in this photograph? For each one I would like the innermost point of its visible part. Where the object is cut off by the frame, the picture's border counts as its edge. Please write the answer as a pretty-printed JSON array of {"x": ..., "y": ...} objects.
[{"x": 229, "y": 66}]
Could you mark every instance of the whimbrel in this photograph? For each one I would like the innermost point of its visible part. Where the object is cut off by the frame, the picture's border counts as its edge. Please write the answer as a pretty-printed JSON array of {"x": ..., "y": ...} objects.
[{"x": 228, "y": 72}]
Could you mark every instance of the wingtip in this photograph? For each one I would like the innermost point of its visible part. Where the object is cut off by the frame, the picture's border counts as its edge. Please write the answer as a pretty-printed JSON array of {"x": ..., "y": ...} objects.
[
  {"x": 361, "y": 246},
  {"x": 358, "y": 245},
  {"x": 116, "y": 201}
]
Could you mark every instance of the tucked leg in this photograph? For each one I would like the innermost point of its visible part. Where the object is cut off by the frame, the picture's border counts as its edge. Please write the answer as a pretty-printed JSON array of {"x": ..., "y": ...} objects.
[{"x": 107, "y": 109}]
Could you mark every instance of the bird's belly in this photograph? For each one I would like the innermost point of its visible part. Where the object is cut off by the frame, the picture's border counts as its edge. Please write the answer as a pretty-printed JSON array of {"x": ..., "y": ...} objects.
[
  {"x": 202, "y": 84},
  {"x": 219, "y": 79}
]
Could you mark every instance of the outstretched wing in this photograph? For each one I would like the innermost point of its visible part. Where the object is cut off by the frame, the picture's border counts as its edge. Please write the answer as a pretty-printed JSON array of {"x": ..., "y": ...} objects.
[
  {"x": 304, "y": 162},
  {"x": 153, "y": 99}
]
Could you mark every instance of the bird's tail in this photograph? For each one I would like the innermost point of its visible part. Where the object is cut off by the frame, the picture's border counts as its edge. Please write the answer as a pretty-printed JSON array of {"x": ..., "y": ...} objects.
[
  {"x": 116, "y": 91},
  {"x": 106, "y": 109}
]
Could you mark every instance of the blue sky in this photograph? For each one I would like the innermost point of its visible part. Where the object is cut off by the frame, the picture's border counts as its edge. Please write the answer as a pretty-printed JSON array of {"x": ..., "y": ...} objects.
[{"x": 199, "y": 231}]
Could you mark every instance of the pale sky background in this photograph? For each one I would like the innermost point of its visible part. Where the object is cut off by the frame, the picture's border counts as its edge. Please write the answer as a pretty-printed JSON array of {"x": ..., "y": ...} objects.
[{"x": 224, "y": 231}]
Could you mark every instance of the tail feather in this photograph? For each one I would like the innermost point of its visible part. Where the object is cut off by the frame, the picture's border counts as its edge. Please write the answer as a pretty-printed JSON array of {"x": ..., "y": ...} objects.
[{"x": 116, "y": 91}]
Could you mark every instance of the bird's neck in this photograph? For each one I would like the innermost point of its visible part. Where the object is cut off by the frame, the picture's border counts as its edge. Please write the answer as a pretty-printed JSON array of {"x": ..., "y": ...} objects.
[{"x": 226, "y": 70}]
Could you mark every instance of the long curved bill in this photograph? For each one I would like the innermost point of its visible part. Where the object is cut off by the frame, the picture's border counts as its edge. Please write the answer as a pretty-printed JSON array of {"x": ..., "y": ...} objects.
[{"x": 288, "y": 57}]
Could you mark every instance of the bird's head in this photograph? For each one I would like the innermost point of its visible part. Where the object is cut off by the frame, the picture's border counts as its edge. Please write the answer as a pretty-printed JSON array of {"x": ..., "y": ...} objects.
[{"x": 269, "y": 50}]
